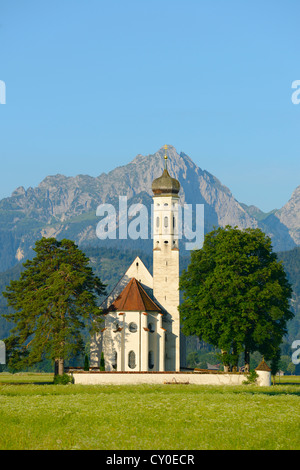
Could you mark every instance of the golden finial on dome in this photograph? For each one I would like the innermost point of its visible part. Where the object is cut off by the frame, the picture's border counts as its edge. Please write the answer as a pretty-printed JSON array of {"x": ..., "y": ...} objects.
[{"x": 166, "y": 156}]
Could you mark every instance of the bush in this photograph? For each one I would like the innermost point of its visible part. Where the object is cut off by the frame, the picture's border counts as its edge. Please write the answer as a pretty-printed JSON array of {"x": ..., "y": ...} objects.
[
  {"x": 62, "y": 379},
  {"x": 251, "y": 378}
]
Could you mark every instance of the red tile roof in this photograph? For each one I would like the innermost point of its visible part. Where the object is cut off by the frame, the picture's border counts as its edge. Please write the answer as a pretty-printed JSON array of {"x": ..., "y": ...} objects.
[
  {"x": 263, "y": 366},
  {"x": 133, "y": 298}
]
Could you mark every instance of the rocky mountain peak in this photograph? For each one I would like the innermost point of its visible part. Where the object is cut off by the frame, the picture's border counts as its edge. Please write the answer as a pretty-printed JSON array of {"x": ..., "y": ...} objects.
[
  {"x": 65, "y": 207},
  {"x": 289, "y": 215}
]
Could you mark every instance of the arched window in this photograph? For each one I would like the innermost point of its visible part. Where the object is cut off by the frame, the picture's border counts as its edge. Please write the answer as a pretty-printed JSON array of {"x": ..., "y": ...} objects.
[
  {"x": 131, "y": 360},
  {"x": 166, "y": 221},
  {"x": 151, "y": 327},
  {"x": 157, "y": 222},
  {"x": 150, "y": 360}
]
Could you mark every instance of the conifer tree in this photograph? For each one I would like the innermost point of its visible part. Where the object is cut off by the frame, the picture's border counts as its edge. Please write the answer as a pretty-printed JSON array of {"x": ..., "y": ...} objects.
[
  {"x": 102, "y": 362},
  {"x": 54, "y": 300}
]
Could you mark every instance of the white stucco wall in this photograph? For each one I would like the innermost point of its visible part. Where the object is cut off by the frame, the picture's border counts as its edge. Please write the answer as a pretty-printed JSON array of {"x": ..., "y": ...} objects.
[
  {"x": 264, "y": 378},
  {"x": 140, "y": 342},
  {"x": 116, "y": 378}
]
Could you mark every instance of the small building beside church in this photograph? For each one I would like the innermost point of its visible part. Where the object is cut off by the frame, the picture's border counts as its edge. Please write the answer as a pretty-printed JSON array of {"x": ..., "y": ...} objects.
[{"x": 142, "y": 324}]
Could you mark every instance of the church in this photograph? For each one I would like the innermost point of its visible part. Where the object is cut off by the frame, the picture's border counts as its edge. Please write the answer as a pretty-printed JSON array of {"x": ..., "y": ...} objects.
[{"x": 142, "y": 325}]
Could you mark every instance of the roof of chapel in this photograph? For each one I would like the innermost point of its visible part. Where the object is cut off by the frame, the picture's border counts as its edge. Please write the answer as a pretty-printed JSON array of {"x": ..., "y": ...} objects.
[
  {"x": 263, "y": 366},
  {"x": 133, "y": 298}
]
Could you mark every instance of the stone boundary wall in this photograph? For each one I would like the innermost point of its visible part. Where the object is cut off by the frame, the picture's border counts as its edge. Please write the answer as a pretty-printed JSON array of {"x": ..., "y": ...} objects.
[{"x": 193, "y": 378}]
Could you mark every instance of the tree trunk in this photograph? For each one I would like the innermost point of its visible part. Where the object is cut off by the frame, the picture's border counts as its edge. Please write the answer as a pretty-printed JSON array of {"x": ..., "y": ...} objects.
[
  {"x": 247, "y": 361},
  {"x": 59, "y": 368},
  {"x": 234, "y": 360},
  {"x": 226, "y": 365}
]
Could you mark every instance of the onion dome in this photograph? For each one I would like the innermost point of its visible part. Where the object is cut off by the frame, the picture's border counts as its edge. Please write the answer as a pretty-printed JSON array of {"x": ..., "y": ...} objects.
[{"x": 165, "y": 184}]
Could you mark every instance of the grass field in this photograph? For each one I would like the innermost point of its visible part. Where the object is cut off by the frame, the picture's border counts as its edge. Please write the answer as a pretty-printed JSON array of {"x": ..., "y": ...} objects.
[{"x": 35, "y": 414}]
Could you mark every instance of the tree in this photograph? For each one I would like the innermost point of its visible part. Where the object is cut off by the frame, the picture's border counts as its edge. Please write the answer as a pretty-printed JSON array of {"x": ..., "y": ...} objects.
[
  {"x": 236, "y": 295},
  {"x": 54, "y": 300},
  {"x": 86, "y": 363},
  {"x": 291, "y": 368},
  {"x": 102, "y": 362}
]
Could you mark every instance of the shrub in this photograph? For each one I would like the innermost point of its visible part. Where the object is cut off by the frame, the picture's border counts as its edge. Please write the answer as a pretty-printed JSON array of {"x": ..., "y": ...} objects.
[
  {"x": 251, "y": 378},
  {"x": 62, "y": 379}
]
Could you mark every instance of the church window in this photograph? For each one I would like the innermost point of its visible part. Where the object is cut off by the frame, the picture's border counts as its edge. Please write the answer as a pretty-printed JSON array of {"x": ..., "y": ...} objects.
[
  {"x": 132, "y": 327},
  {"x": 174, "y": 222},
  {"x": 151, "y": 327},
  {"x": 151, "y": 360},
  {"x": 157, "y": 222},
  {"x": 166, "y": 221},
  {"x": 165, "y": 204},
  {"x": 131, "y": 360}
]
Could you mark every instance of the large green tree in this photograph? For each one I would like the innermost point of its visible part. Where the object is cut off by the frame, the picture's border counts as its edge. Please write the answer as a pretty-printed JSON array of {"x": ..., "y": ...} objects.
[
  {"x": 54, "y": 301},
  {"x": 236, "y": 295}
]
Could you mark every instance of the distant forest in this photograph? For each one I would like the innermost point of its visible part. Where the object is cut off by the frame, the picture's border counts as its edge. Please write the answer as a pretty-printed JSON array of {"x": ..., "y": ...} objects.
[{"x": 110, "y": 264}]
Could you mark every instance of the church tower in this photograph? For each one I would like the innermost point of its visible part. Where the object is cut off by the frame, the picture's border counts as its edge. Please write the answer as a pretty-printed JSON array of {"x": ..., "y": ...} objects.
[
  {"x": 142, "y": 323},
  {"x": 166, "y": 261}
]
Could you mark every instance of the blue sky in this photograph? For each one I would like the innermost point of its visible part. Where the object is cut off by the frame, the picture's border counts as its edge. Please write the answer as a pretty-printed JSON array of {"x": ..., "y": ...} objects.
[{"x": 91, "y": 84}]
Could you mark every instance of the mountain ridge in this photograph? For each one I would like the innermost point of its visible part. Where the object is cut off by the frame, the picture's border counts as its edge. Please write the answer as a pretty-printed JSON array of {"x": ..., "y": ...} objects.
[{"x": 65, "y": 206}]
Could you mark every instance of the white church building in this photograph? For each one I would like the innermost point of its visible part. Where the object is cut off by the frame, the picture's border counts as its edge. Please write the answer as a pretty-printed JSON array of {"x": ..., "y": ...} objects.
[{"x": 142, "y": 325}]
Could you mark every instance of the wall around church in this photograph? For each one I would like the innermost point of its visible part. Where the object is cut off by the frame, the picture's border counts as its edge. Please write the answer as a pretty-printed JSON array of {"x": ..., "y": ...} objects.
[{"x": 192, "y": 378}]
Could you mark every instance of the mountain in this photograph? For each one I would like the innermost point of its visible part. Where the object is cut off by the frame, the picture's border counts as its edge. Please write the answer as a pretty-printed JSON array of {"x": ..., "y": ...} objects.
[
  {"x": 291, "y": 264},
  {"x": 289, "y": 216},
  {"x": 65, "y": 207}
]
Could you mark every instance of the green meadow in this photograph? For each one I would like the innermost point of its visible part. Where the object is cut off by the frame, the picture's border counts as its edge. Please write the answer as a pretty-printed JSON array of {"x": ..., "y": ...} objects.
[{"x": 35, "y": 414}]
